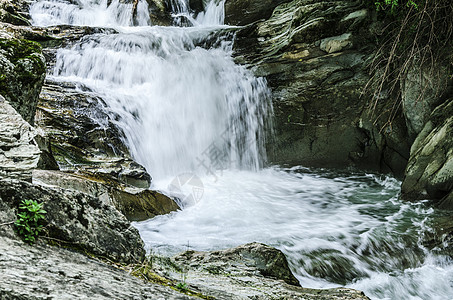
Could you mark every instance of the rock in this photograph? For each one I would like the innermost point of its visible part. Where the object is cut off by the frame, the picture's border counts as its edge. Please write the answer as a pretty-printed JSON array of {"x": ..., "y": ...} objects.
[
  {"x": 19, "y": 153},
  {"x": 336, "y": 43},
  {"x": 429, "y": 173},
  {"x": 421, "y": 89},
  {"x": 269, "y": 261},
  {"x": 314, "y": 55},
  {"x": 84, "y": 138},
  {"x": 196, "y": 5},
  {"x": 79, "y": 221},
  {"x": 14, "y": 12},
  {"x": 251, "y": 271},
  {"x": 22, "y": 69},
  {"x": 46, "y": 159},
  {"x": 243, "y": 12},
  {"x": 45, "y": 272},
  {"x": 134, "y": 203},
  {"x": 159, "y": 12}
]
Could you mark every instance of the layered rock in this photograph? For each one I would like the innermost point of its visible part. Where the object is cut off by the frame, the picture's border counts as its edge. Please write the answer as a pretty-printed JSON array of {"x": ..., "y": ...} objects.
[
  {"x": 135, "y": 204},
  {"x": 44, "y": 272},
  {"x": 19, "y": 153},
  {"x": 429, "y": 173},
  {"x": 251, "y": 271},
  {"x": 243, "y": 12},
  {"x": 314, "y": 55}
]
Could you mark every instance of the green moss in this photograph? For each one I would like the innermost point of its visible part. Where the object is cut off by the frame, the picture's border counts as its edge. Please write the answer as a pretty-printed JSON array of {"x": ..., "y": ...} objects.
[{"x": 16, "y": 49}]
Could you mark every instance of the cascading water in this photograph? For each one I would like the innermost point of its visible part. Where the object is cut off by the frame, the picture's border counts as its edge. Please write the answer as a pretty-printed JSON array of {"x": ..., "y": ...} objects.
[{"x": 188, "y": 109}]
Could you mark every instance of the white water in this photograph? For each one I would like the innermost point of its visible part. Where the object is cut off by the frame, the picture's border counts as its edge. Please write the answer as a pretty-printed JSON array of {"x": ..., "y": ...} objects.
[{"x": 188, "y": 109}]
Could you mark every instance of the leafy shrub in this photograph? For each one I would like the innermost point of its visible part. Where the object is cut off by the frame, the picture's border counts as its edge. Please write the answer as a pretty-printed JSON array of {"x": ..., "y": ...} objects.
[{"x": 30, "y": 216}]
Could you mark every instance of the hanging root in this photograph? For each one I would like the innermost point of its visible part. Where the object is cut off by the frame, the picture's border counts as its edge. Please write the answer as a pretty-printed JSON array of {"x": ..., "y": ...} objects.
[{"x": 416, "y": 36}]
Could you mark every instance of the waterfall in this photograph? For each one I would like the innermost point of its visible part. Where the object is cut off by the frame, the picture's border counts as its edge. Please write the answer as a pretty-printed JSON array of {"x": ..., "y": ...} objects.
[
  {"x": 183, "y": 108},
  {"x": 191, "y": 115}
]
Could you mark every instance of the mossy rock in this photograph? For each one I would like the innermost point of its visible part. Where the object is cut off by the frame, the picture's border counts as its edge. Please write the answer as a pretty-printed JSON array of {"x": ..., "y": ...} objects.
[{"x": 22, "y": 73}]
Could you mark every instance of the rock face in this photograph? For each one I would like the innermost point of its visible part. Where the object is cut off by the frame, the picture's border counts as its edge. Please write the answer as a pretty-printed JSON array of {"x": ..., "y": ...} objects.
[
  {"x": 44, "y": 272},
  {"x": 314, "y": 55},
  {"x": 251, "y": 271},
  {"x": 429, "y": 173},
  {"x": 78, "y": 221},
  {"x": 19, "y": 153}
]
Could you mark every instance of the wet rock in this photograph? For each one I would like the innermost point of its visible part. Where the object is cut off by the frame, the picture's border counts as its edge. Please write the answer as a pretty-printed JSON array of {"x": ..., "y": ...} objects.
[
  {"x": 79, "y": 221},
  {"x": 159, "y": 12},
  {"x": 83, "y": 136},
  {"x": 251, "y": 271},
  {"x": 19, "y": 153},
  {"x": 429, "y": 173},
  {"x": 134, "y": 203},
  {"x": 269, "y": 261},
  {"x": 22, "y": 69},
  {"x": 45, "y": 272},
  {"x": 243, "y": 12},
  {"x": 14, "y": 12}
]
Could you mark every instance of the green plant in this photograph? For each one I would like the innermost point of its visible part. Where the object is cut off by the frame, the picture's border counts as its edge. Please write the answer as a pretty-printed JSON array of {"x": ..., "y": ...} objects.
[
  {"x": 30, "y": 216},
  {"x": 393, "y": 4},
  {"x": 182, "y": 286}
]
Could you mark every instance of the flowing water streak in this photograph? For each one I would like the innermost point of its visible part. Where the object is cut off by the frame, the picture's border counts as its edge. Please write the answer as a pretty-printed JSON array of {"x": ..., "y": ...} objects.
[
  {"x": 88, "y": 12},
  {"x": 176, "y": 99}
]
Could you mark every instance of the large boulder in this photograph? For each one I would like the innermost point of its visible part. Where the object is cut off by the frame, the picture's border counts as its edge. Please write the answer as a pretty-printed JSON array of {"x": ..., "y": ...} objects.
[
  {"x": 77, "y": 220},
  {"x": 314, "y": 55},
  {"x": 270, "y": 262}
]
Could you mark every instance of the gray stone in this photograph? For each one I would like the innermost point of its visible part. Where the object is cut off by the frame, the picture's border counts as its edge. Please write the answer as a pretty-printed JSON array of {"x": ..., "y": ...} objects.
[
  {"x": 45, "y": 272},
  {"x": 84, "y": 138},
  {"x": 421, "y": 89},
  {"x": 336, "y": 43}
]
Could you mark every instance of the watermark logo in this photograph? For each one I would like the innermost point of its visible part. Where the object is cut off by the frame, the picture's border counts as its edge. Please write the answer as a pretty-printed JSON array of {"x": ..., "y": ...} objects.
[{"x": 187, "y": 188}]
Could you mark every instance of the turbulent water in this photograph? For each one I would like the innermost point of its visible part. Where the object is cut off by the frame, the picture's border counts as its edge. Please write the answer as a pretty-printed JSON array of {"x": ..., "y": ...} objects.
[{"x": 196, "y": 121}]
